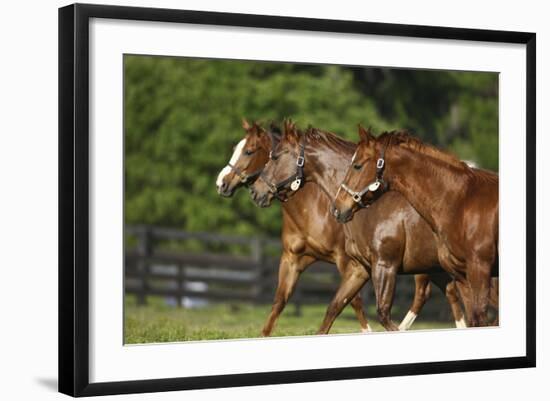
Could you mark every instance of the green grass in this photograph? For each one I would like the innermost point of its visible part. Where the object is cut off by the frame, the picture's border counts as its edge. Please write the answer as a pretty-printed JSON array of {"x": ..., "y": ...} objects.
[{"x": 157, "y": 322}]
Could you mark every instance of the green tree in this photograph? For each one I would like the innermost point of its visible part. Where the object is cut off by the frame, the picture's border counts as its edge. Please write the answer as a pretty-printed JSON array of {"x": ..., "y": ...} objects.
[{"x": 182, "y": 118}]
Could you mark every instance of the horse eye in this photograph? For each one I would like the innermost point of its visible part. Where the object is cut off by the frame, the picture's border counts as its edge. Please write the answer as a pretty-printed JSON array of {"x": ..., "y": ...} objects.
[
  {"x": 248, "y": 152},
  {"x": 357, "y": 166}
]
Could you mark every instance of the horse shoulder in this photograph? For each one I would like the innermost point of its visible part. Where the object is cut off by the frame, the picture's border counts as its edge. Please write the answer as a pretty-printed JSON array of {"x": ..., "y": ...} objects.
[{"x": 385, "y": 217}]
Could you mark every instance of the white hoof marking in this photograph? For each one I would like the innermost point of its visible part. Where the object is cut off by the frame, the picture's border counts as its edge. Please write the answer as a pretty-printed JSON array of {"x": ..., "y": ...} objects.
[
  {"x": 367, "y": 329},
  {"x": 461, "y": 324},
  {"x": 408, "y": 321}
]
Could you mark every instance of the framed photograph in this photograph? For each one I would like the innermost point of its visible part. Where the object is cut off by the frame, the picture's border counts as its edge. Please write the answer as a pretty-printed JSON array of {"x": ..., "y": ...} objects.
[{"x": 252, "y": 199}]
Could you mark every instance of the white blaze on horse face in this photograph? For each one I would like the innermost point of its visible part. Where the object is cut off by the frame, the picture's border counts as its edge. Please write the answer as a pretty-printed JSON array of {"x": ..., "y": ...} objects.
[
  {"x": 353, "y": 158},
  {"x": 340, "y": 187},
  {"x": 338, "y": 192},
  {"x": 234, "y": 158}
]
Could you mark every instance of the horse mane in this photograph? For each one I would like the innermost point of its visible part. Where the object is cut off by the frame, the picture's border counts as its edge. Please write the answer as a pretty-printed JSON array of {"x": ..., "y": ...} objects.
[
  {"x": 485, "y": 175},
  {"x": 406, "y": 139},
  {"x": 329, "y": 138}
]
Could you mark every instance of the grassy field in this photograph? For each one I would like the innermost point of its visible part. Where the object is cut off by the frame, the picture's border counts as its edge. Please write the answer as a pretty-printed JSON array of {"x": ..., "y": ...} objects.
[{"x": 158, "y": 322}]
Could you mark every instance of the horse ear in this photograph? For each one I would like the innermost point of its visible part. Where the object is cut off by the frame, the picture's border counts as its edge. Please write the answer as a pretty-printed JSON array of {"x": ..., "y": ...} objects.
[
  {"x": 246, "y": 124},
  {"x": 287, "y": 125},
  {"x": 257, "y": 128},
  {"x": 290, "y": 133},
  {"x": 365, "y": 134}
]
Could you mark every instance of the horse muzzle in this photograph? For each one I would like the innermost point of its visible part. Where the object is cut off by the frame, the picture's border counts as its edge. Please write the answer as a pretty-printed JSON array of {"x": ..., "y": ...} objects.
[
  {"x": 224, "y": 190},
  {"x": 341, "y": 217},
  {"x": 263, "y": 201},
  {"x": 260, "y": 200}
]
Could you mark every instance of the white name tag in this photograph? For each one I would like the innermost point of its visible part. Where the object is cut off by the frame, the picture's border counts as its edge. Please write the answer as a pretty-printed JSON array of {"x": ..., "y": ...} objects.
[
  {"x": 374, "y": 186},
  {"x": 295, "y": 185}
]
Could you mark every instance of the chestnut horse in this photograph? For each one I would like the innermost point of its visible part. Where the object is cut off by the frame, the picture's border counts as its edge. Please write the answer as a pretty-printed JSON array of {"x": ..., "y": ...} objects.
[
  {"x": 306, "y": 237},
  {"x": 459, "y": 203},
  {"x": 251, "y": 156},
  {"x": 388, "y": 237}
]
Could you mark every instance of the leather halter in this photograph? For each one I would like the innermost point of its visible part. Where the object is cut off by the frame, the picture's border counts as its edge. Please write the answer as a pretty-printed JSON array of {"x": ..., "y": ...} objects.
[
  {"x": 373, "y": 186},
  {"x": 243, "y": 176},
  {"x": 296, "y": 180}
]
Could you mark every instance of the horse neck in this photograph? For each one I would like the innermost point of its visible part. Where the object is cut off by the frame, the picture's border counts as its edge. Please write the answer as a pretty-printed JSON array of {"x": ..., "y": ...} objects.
[
  {"x": 326, "y": 165},
  {"x": 430, "y": 185}
]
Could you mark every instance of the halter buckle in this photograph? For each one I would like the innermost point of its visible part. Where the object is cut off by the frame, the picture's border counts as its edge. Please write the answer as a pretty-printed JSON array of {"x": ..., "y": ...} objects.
[
  {"x": 272, "y": 188},
  {"x": 270, "y": 155},
  {"x": 380, "y": 163},
  {"x": 300, "y": 161},
  {"x": 357, "y": 198}
]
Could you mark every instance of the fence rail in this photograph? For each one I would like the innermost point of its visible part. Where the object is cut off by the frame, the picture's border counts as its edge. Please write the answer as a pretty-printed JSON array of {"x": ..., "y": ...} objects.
[{"x": 225, "y": 268}]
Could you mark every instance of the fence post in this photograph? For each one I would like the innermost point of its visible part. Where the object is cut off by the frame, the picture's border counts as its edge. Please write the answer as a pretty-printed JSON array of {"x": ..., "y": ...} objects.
[
  {"x": 181, "y": 285},
  {"x": 144, "y": 248}
]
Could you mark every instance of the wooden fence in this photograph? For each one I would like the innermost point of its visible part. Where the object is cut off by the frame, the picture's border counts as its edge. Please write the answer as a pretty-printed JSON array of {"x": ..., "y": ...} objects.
[{"x": 197, "y": 267}]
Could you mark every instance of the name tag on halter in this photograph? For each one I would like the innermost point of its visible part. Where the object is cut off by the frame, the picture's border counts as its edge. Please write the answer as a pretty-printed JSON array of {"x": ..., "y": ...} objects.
[
  {"x": 295, "y": 184},
  {"x": 374, "y": 186}
]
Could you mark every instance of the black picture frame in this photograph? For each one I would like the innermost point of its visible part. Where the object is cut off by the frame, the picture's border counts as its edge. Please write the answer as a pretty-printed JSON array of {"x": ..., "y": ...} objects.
[{"x": 74, "y": 198}]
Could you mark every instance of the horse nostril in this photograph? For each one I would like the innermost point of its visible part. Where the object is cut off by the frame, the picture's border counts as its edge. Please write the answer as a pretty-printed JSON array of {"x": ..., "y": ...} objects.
[
  {"x": 345, "y": 216},
  {"x": 262, "y": 201},
  {"x": 335, "y": 212}
]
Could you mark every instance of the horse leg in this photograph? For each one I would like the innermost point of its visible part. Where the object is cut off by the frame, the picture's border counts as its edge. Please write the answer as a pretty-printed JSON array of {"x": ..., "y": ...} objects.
[
  {"x": 463, "y": 288},
  {"x": 383, "y": 278},
  {"x": 357, "y": 305},
  {"x": 448, "y": 286},
  {"x": 353, "y": 279},
  {"x": 451, "y": 292},
  {"x": 479, "y": 278},
  {"x": 422, "y": 290},
  {"x": 356, "y": 269},
  {"x": 290, "y": 268}
]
